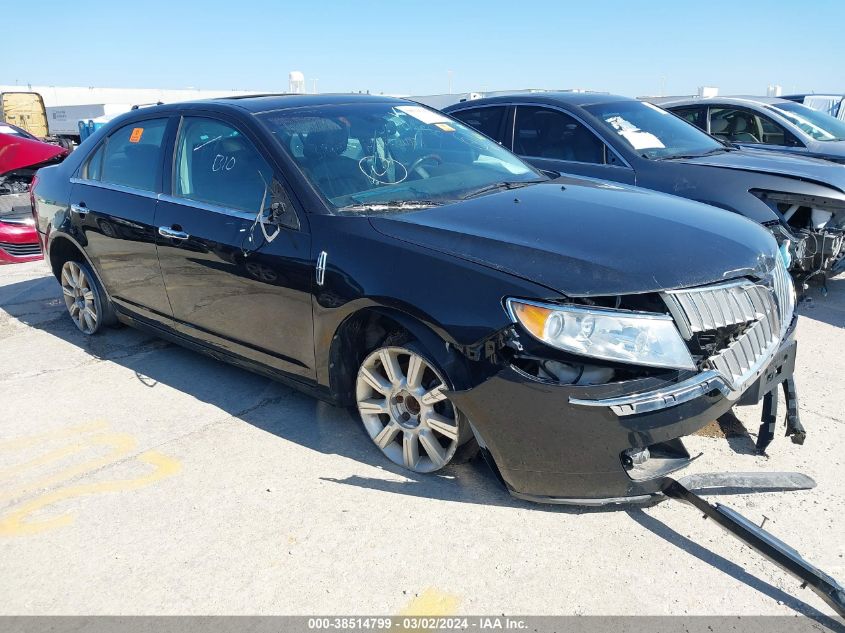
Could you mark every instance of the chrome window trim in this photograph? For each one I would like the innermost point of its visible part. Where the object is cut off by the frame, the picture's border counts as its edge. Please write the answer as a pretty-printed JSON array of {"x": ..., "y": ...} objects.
[
  {"x": 114, "y": 187},
  {"x": 207, "y": 206}
]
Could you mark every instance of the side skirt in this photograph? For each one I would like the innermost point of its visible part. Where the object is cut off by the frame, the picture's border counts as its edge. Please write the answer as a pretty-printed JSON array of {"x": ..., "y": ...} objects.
[{"x": 312, "y": 389}]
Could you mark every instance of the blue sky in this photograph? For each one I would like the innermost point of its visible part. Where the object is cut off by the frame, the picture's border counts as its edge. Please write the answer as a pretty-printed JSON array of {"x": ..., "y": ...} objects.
[{"x": 408, "y": 47}]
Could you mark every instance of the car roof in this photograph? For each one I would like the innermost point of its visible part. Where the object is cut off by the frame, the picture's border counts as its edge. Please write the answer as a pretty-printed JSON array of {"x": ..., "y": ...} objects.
[
  {"x": 545, "y": 98},
  {"x": 267, "y": 102},
  {"x": 668, "y": 102}
]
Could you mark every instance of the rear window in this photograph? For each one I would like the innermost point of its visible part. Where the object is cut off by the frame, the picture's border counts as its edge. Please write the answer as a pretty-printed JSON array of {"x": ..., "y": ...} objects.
[
  {"x": 131, "y": 156},
  {"x": 487, "y": 120}
]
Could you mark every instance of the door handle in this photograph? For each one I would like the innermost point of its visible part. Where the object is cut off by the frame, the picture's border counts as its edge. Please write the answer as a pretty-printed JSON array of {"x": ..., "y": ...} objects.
[
  {"x": 80, "y": 209},
  {"x": 173, "y": 233}
]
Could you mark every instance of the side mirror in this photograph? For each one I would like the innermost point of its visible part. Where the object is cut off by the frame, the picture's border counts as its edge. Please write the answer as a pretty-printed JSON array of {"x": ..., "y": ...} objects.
[{"x": 281, "y": 212}]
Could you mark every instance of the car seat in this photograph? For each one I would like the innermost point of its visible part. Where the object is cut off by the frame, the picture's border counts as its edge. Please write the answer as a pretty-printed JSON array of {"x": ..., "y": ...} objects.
[
  {"x": 335, "y": 175},
  {"x": 741, "y": 127}
]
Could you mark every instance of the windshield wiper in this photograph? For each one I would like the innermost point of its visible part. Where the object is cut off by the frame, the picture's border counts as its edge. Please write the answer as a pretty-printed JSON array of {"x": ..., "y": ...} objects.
[
  {"x": 389, "y": 205},
  {"x": 505, "y": 184},
  {"x": 715, "y": 150}
]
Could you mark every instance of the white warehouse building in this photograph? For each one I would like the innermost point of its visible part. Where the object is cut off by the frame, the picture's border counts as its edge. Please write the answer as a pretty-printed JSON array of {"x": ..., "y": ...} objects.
[{"x": 77, "y": 95}]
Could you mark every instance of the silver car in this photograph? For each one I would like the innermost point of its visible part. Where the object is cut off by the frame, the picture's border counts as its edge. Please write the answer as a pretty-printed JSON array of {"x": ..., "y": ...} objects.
[{"x": 764, "y": 123}]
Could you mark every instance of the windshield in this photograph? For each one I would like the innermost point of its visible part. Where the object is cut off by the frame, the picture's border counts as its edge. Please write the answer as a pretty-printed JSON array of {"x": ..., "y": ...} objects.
[
  {"x": 653, "y": 132},
  {"x": 815, "y": 124},
  {"x": 370, "y": 154},
  {"x": 6, "y": 128}
]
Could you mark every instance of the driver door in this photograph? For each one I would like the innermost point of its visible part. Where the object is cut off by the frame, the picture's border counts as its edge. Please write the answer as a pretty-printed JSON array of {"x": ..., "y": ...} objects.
[
  {"x": 232, "y": 285},
  {"x": 556, "y": 141}
]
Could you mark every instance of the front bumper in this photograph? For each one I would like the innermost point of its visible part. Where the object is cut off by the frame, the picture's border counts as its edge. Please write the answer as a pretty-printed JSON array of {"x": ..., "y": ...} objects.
[
  {"x": 18, "y": 238},
  {"x": 571, "y": 444}
]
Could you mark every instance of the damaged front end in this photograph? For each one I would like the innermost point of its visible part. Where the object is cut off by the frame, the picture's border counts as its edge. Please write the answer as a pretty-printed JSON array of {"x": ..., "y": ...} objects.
[
  {"x": 20, "y": 158},
  {"x": 811, "y": 229},
  {"x": 588, "y": 428}
]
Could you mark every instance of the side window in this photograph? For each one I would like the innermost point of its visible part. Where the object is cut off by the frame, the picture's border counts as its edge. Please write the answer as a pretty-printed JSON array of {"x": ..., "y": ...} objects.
[
  {"x": 692, "y": 115},
  {"x": 217, "y": 164},
  {"x": 487, "y": 120},
  {"x": 93, "y": 167},
  {"x": 545, "y": 133},
  {"x": 131, "y": 156}
]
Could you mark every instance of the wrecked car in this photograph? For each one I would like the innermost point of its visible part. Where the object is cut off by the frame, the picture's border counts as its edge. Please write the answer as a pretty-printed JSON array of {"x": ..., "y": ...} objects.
[
  {"x": 21, "y": 155},
  {"x": 413, "y": 268},
  {"x": 801, "y": 201},
  {"x": 383, "y": 256}
]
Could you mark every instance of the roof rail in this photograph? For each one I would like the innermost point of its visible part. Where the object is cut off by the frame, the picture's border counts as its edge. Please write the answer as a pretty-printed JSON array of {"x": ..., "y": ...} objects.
[
  {"x": 262, "y": 94},
  {"x": 138, "y": 106}
]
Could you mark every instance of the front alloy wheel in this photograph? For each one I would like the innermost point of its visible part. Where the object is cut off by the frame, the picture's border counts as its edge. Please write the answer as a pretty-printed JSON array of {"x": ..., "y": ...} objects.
[
  {"x": 404, "y": 408},
  {"x": 82, "y": 303}
]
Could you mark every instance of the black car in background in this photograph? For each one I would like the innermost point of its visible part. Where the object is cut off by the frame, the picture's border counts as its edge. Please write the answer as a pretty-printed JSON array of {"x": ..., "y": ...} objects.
[
  {"x": 382, "y": 255},
  {"x": 800, "y": 200}
]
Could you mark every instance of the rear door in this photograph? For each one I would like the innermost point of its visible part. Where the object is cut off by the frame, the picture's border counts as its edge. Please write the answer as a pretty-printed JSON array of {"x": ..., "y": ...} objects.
[
  {"x": 113, "y": 204},
  {"x": 557, "y": 141},
  {"x": 237, "y": 279}
]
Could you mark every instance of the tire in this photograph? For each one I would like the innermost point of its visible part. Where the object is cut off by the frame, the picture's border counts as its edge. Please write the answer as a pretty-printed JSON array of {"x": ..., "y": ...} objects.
[
  {"x": 86, "y": 301},
  {"x": 401, "y": 402}
]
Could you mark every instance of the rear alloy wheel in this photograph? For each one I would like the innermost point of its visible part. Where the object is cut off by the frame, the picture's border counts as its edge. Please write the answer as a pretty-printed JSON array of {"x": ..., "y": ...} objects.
[
  {"x": 402, "y": 402},
  {"x": 82, "y": 297}
]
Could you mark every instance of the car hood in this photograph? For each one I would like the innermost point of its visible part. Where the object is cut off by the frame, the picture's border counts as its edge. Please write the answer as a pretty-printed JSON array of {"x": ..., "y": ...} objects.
[
  {"x": 834, "y": 149},
  {"x": 18, "y": 152},
  {"x": 768, "y": 162},
  {"x": 590, "y": 238}
]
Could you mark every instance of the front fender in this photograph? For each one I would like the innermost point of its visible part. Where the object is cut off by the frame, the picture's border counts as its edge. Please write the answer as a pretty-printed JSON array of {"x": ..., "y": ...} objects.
[{"x": 450, "y": 304}]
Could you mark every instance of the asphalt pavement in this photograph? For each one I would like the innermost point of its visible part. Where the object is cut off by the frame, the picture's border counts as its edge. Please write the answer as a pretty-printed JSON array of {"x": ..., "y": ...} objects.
[{"x": 137, "y": 477}]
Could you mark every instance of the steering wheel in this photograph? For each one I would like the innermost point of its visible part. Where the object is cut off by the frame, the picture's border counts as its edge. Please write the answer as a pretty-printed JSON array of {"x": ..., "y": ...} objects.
[{"x": 417, "y": 167}]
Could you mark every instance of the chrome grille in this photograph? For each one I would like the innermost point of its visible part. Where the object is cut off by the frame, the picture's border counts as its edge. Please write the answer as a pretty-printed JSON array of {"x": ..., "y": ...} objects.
[
  {"x": 713, "y": 307},
  {"x": 765, "y": 307},
  {"x": 21, "y": 250}
]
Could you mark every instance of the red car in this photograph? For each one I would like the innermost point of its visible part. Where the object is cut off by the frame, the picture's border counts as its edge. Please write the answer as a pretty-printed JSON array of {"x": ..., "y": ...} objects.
[{"x": 21, "y": 155}]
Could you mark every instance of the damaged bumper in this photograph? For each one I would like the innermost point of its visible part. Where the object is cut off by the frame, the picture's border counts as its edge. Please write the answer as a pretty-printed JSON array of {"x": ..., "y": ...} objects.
[{"x": 600, "y": 444}]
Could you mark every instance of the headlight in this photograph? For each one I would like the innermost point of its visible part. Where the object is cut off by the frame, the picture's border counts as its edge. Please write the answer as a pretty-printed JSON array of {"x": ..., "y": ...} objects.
[{"x": 642, "y": 338}]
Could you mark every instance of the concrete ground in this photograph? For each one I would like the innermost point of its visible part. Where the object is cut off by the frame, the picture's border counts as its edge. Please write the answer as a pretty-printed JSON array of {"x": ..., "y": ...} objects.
[{"x": 137, "y": 477}]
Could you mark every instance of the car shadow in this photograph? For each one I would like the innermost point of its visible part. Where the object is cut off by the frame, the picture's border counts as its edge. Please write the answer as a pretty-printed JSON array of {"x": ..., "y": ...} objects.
[
  {"x": 736, "y": 434},
  {"x": 253, "y": 399},
  {"x": 829, "y": 308},
  {"x": 732, "y": 569},
  {"x": 256, "y": 400}
]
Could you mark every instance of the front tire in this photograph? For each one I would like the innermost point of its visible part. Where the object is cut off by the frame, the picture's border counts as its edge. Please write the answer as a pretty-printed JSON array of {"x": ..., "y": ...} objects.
[
  {"x": 86, "y": 302},
  {"x": 402, "y": 403}
]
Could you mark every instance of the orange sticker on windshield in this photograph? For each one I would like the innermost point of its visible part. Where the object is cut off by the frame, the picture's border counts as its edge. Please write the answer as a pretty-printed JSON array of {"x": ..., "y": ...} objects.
[
  {"x": 136, "y": 134},
  {"x": 445, "y": 127}
]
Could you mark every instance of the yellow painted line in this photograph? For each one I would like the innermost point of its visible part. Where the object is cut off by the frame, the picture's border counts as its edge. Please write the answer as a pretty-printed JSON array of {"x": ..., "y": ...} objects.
[
  {"x": 52, "y": 456},
  {"x": 31, "y": 440},
  {"x": 121, "y": 443},
  {"x": 91, "y": 437},
  {"x": 14, "y": 523},
  {"x": 431, "y": 602}
]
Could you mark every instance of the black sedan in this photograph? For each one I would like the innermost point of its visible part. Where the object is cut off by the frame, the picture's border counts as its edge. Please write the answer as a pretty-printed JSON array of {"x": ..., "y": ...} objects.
[
  {"x": 801, "y": 200},
  {"x": 382, "y": 255}
]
